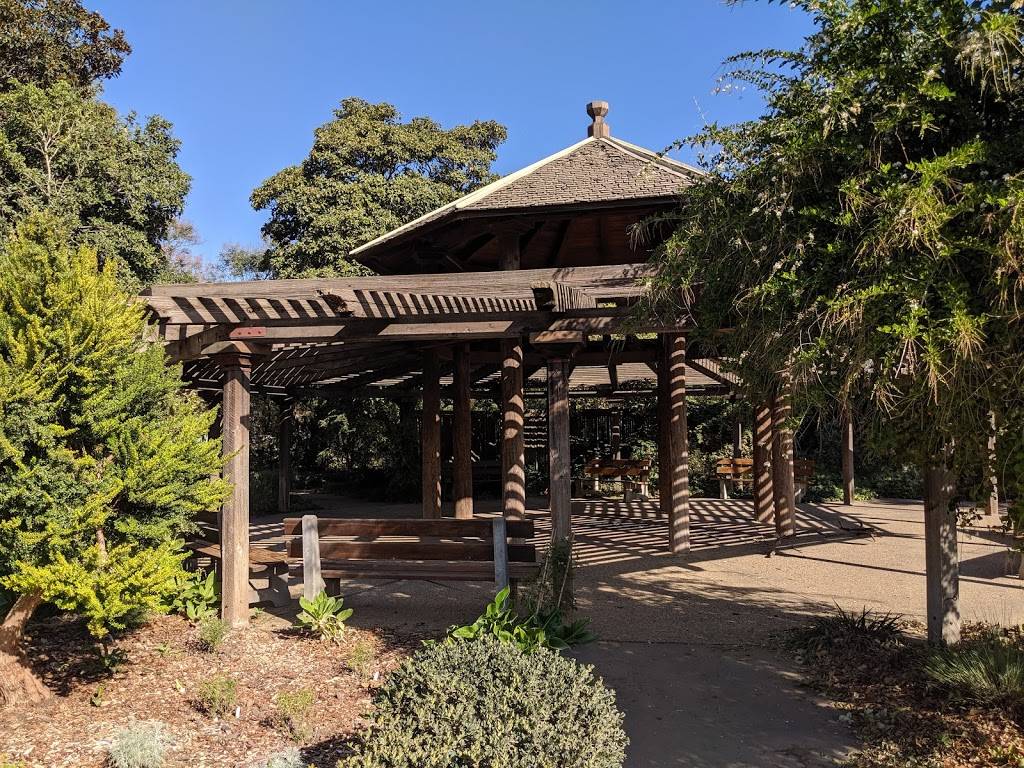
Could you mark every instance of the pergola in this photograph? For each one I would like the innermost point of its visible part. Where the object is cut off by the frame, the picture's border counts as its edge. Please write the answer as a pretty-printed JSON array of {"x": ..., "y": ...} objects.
[{"x": 534, "y": 277}]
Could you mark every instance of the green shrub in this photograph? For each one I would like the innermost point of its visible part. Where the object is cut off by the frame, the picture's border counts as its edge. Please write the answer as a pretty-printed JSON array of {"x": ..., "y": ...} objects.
[
  {"x": 139, "y": 745},
  {"x": 323, "y": 616},
  {"x": 212, "y": 632},
  {"x": 218, "y": 696},
  {"x": 361, "y": 658},
  {"x": 537, "y": 630},
  {"x": 989, "y": 670},
  {"x": 486, "y": 703},
  {"x": 197, "y": 596},
  {"x": 293, "y": 713}
]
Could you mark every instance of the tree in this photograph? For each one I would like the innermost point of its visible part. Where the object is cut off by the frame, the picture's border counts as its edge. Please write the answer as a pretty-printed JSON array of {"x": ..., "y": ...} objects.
[
  {"x": 46, "y": 41},
  {"x": 113, "y": 183},
  {"x": 104, "y": 458},
  {"x": 862, "y": 238},
  {"x": 368, "y": 172}
]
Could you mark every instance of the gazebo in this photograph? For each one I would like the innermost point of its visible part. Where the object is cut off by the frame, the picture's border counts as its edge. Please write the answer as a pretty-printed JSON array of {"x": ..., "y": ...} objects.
[{"x": 534, "y": 278}]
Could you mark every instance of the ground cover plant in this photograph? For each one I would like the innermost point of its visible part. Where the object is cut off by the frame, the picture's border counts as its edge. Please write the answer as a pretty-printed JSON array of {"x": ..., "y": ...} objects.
[
  {"x": 139, "y": 745},
  {"x": 486, "y": 702},
  {"x": 324, "y": 616},
  {"x": 914, "y": 705}
]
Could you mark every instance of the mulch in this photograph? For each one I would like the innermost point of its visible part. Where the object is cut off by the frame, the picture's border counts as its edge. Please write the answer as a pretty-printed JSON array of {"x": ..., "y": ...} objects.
[{"x": 163, "y": 669}]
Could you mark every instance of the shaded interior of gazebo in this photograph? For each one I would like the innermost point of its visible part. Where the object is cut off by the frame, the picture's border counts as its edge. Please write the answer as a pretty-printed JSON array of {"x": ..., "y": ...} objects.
[{"x": 527, "y": 287}]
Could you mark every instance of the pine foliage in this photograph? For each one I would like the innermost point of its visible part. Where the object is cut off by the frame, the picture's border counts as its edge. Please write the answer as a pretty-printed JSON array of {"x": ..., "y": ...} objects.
[{"x": 104, "y": 458}]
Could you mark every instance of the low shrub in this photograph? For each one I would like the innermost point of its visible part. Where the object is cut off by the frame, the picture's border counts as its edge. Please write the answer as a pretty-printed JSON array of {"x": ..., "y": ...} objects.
[
  {"x": 139, "y": 745},
  {"x": 854, "y": 633},
  {"x": 361, "y": 658},
  {"x": 212, "y": 632},
  {"x": 197, "y": 596},
  {"x": 323, "y": 616},
  {"x": 218, "y": 696},
  {"x": 538, "y": 630},
  {"x": 487, "y": 703},
  {"x": 290, "y": 758},
  {"x": 292, "y": 715},
  {"x": 988, "y": 670}
]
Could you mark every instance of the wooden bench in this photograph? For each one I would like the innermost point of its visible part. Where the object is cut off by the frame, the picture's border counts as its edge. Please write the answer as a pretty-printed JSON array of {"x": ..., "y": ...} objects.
[
  {"x": 733, "y": 473},
  {"x": 268, "y": 569},
  {"x": 634, "y": 474},
  {"x": 326, "y": 550}
]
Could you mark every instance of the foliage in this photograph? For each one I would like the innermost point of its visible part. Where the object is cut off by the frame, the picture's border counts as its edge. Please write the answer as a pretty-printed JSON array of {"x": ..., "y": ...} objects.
[
  {"x": 196, "y": 596},
  {"x": 212, "y": 632},
  {"x": 367, "y": 173},
  {"x": 290, "y": 758},
  {"x": 112, "y": 182},
  {"x": 292, "y": 710},
  {"x": 862, "y": 237},
  {"x": 104, "y": 458},
  {"x": 551, "y": 591},
  {"x": 842, "y": 633},
  {"x": 218, "y": 696},
  {"x": 537, "y": 630},
  {"x": 988, "y": 670},
  {"x": 323, "y": 616},
  {"x": 139, "y": 745},
  {"x": 361, "y": 657},
  {"x": 487, "y": 703},
  {"x": 6, "y": 762},
  {"x": 46, "y": 41}
]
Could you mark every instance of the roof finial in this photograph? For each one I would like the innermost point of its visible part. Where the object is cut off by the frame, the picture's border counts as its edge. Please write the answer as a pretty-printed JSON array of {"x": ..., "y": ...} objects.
[{"x": 599, "y": 128}]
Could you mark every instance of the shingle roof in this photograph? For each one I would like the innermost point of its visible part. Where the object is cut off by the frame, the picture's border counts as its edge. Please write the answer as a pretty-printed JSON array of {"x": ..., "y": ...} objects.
[{"x": 595, "y": 170}]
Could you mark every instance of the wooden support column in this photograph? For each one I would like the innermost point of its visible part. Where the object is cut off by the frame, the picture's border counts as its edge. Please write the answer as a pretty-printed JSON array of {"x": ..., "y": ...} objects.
[
  {"x": 615, "y": 438},
  {"x": 783, "y": 483},
  {"x": 737, "y": 438},
  {"x": 513, "y": 445},
  {"x": 664, "y": 437},
  {"x": 941, "y": 560},
  {"x": 764, "y": 503},
  {"x": 234, "y": 534},
  {"x": 847, "y": 449},
  {"x": 679, "y": 465},
  {"x": 430, "y": 436},
  {"x": 462, "y": 436},
  {"x": 284, "y": 456},
  {"x": 508, "y": 249},
  {"x": 559, "y": 460}
]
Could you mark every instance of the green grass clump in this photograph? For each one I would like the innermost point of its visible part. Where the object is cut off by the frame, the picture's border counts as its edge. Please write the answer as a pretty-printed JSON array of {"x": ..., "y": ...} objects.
[
  {"x": 293, "y": 710},
  {"x": 989, "y": 670},
  {"x": 218, "y": 696},
  {"x": 212, "y": 632},
  {"x": 842, "y": 632}
]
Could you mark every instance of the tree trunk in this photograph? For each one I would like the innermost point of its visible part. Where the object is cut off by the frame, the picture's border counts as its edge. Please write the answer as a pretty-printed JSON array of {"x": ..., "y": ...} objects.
[
  {"x": 18, "y": 683},
  {"x": 942, "y": 571}
]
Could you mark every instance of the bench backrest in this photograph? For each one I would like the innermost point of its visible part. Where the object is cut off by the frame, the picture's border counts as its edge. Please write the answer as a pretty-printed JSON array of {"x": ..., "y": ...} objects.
[
  {"x": 412, "y": 539},
  {"x": 618, "y": 468},
  {"x": 743, "y": 468}
]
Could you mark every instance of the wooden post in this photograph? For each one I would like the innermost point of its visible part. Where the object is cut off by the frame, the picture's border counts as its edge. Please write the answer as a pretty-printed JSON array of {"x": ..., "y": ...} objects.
[
  {"x": 284, "y": 456},
  {"x": 234, "y": 534},
  {"x": 508, "y": 249},
  {"x": 783, "y": 483},
  {"x": 764, "y": 504},
  {"x": 679, "y": 467},
  {"x": 559, "y": 461},
  {"x": 737, "y": 438},
  {"x": 664, "y": 437},
  {"x": 513, "y": 445},
  {"x": 462, "y": 436},
  {"x": 615, "y": 446},
  {"x": 991, "y": 465},
  {"x": 312, "y": 579},
  {"x": 847, "y": 449},
  {"x": 499, "y": 532},
  {"x": 941, "y": 563},
  {"x": 430, "y": 436}
]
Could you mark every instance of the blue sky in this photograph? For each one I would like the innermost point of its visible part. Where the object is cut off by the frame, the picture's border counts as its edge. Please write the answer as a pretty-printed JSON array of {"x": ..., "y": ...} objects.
[{"x": 245, "y": 82}]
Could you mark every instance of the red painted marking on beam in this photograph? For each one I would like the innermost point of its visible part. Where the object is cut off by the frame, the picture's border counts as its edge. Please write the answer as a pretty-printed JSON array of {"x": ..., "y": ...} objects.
[{"x": 248, "y": 332}]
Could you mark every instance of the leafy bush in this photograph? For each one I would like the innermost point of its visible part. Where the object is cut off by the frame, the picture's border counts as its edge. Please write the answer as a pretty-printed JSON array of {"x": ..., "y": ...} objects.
[
  {"x": 290, "y": 758},
  {"x": 487, "y": 703},
  {"x": 198, "y": 596},
  {"x": 218, "y": 696},
  {"x": 989, "y": 670},
  {"x": 293, "y": 713},
  {"x": 323, "y": 616},
  {"x": 139, "y": 745},
  {"x": 212, "y": 632},
  {"x": 537, "y": 630},
  {"x": 842, "y": 633}
]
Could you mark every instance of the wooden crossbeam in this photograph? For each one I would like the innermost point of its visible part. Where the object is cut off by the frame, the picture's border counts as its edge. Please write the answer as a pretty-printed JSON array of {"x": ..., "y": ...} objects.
[{"x": 559, "y": 297}]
